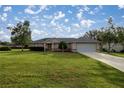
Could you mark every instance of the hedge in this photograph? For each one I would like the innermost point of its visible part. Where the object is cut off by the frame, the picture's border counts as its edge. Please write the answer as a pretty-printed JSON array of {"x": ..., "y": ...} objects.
[
  {"x": 36, "y": 48},
  {"x": 5, "y": 49}
]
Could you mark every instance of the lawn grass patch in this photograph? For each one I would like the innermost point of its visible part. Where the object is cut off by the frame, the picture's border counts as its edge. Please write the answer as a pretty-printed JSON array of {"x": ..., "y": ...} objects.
[
  {"x": 118, "y": 54},
  {"x": 55, "y": 69}
]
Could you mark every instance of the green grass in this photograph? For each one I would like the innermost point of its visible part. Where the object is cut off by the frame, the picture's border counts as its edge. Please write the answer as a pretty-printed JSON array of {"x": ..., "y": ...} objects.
[
  {"x": 55, "y": 69},
  {"x": 118, "y": 54}
]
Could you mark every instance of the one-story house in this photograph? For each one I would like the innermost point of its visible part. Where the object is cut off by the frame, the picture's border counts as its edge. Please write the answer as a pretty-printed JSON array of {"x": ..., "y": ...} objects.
[{"x": 73, "y": 44}]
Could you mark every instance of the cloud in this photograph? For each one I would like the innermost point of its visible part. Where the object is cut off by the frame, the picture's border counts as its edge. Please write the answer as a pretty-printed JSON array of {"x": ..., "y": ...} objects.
[
  {"x": 76, "y": 25},
  {"x": 38, "y": 34},
  {"x": 87, "y": 23},
  {"x": 10, "y": 25},
  {"x": 66, "y": 20},
  {"x": 100, "y": 6},
  {"x": 95, "y": 10},
  {"x": 8, "y": 8},
  {"x": 18, "y": 19},
  {"x": 121, "y": 6},
  {"x": 59, "y": 15},
  {"x": 76, "y": 35},
  {"x": 123, "y": 16},
  {"x": 86, "y": 8},
  {"x": 3, "y": 17},
  {"x": 79, "y": 15},
  {"x": 69, "y": 11},
  {"x": 29, "y": 9},
  {"x": 47, "y": 16},
  {"x": 4, "y": 36}
]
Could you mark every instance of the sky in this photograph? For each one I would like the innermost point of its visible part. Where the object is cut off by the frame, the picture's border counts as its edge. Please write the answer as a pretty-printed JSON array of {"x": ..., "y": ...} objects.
[{"x": 58, "y": 20}]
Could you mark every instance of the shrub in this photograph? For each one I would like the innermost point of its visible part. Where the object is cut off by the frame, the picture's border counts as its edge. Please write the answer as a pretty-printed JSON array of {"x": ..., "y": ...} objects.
[
  {"x": 113, "y": 50},
  {"x": 104, "y": 50},
  {"x": 5, "y": 48},
  {"x": 62, "y": 45},
  {"x": 122, "y": 51},
  {"x": 36, "y": 48}
]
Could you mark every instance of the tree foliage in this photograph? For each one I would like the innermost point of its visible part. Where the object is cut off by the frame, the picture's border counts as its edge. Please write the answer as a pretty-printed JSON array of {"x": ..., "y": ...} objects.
[
  {"x": 62, "y": 45},
  {"x": 21, "y": 34},
  {"x": 109, "y": 35}
]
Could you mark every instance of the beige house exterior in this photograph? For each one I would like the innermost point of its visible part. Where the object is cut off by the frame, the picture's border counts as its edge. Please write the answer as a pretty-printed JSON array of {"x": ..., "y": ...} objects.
[{"x": 73, "y": 44}]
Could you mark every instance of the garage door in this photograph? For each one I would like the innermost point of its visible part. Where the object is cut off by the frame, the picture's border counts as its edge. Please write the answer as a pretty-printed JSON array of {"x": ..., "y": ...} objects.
[{"x": 86, "y": 47}]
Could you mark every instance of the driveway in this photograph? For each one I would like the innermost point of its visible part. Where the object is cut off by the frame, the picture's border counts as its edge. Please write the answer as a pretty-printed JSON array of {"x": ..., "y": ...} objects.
[{"x": 116, "y": 62}]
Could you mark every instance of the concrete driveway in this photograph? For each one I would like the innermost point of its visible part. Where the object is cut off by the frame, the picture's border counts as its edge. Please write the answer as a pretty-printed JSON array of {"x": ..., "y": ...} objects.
[{"x": 116, "y": 62}]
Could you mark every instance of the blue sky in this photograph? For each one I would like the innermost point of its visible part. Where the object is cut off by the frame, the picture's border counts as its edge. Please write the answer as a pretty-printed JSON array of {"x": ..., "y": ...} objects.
[{"x": 59, "y": 21}]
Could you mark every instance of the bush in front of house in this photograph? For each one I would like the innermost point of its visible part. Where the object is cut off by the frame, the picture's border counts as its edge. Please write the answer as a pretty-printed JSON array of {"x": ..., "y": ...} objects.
[
  {"x": 62, "y": 46},
  {"x": 104, "y": 50},
  {"x": 5, "y": 48},
  {"x": 36, "y": 48},
  {"x": 122, "y": 51}
]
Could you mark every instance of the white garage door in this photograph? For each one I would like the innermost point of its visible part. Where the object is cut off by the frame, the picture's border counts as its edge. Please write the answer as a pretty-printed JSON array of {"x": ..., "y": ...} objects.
[{"x": 86, "y": 47}]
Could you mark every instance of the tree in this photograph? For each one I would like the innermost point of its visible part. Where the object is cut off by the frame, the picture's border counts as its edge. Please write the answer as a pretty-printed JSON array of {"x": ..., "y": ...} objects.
[
  {"x": 62, "y": 45},
  {"x": 5, "y": 43},
  {"x": 21, "y": 34},
  {"x": 110, "y": 36},
  {"x": 120, "y": 35}
]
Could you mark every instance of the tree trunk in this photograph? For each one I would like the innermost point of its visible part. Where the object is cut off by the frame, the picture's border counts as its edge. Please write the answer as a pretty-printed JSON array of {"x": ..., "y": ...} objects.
[
  {"x": 109, "y": 47},
  {"x": 22, "y": 48},
  {"x": 101, "y": 46}
]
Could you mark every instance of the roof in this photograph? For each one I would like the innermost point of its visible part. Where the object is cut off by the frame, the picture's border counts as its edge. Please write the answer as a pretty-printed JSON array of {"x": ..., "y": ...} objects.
[
  {"x": 81, "y": 40},
  {"x": 67, "y": 40}
]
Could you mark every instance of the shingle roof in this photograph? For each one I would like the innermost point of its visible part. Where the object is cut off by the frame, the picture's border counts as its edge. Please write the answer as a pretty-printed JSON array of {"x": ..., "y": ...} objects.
[{"x": 67, "y": 40}]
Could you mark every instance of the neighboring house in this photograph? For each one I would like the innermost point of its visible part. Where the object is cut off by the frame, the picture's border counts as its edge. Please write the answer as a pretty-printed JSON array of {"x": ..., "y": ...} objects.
[{"x": 73, "y": 44}]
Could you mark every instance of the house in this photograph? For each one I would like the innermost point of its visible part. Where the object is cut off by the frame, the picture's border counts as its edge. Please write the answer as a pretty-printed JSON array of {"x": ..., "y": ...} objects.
[{"x": 73, "y": 44}]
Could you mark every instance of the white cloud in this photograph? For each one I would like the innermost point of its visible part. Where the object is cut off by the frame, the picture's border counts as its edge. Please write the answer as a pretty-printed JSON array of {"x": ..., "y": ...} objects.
[
  {"x": 95, "y": 10},
  {"x": 100, "y": 6},
  {"x": 38, "y": 34},
  {"x": 69, "y": 11},
  {"x": 4, "y": 36},
  {"x": 92, "y": 13},
  {"x": 87, "y": 23},
  {"x": 66, "y": 20},
  {"x": 77, "y": 35},
  {"x": 17, "y": 19},
  {"x": 53, "y": 23},
  {"x": 121, "y": 6},
  {"x": 68, "y": 29},
  {"x": 79, "y": 15},
  {"x": 3, "y": 17},
  {"x": 86, "y": 8},
  {"x": 10, "y": 25},
  {"x": 123, "y": 16},
  {"x": 8, "y": 8},
  {"x": 47, "y": 16},
  {"x": 59, "y": 15},
  {"x": 76, "y": 25},
  {"x": 29, "y": 9}
]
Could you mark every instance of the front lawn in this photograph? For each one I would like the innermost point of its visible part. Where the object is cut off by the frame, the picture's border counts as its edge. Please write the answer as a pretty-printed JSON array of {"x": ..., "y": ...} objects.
[
  {"x": 55, "y": 69},
  {"x": 118, "y": 54}
]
